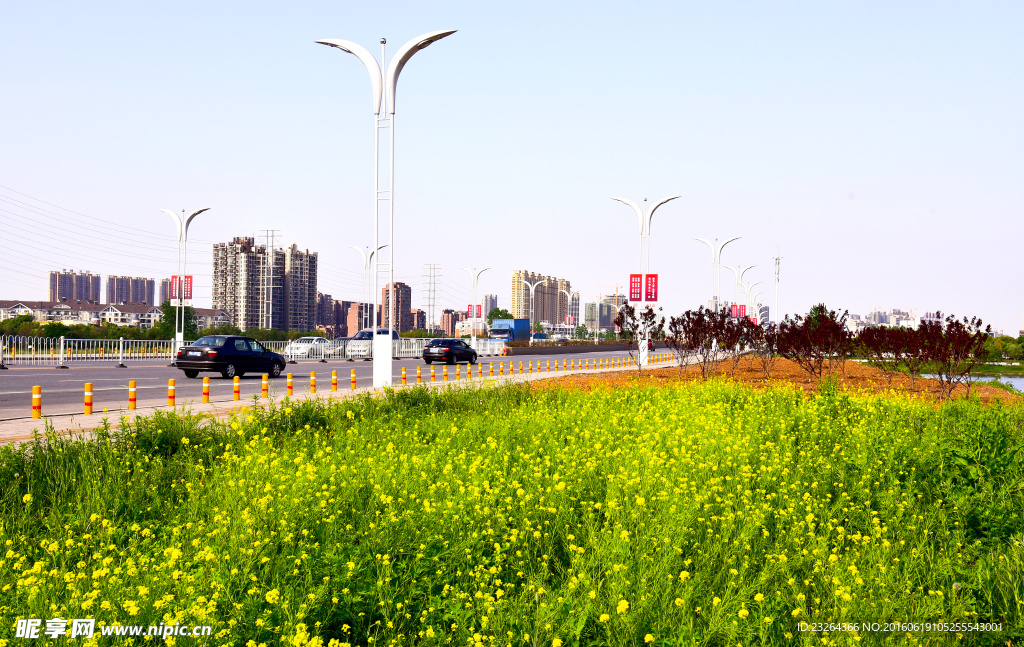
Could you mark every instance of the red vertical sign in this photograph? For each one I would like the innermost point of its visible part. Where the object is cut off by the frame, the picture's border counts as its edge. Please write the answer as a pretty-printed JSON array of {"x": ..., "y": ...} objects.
[
  {"x": 734, "y": 311},
  {"x": 755, "y": 320},
  {"x": 479, "y": 307},
  {"x": 743, "y": 311},
  {"x": 174, "y": 289},
  {"x": 651, "y": 287},
  {"x": 188, "y": 287},
  {"x": 469, "y": 311},
  {"x": 636, "y": 287}
]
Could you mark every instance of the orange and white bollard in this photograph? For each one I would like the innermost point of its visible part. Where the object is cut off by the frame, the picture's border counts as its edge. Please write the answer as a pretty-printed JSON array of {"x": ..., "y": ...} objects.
[
  {"x": 520, "y": 367},
  {"x": 432, "y": 377},
  {"x": 206, "y": 390},
  {"x": 419, "y": 376},
  {"x": 170, "y": 393},
  {"x": 131, "y": 395},
  {"x": 403, "y": 377},
  {"x": 265, "y": 386},
  {"x": 37, "y": 402},
  {"x": 312, "y": 381},
  {"x": 353, "y": 379},
  {"x": 334, "y": 381},
  {"x": 479, "y": 370},
  {"x": 457, "y": 376},
  {"x": 237, "y": 391},
  {"x": 501, "y": 368},
  {"x": 88, "y": 398},
  {"x": 492, "y": 369},
  {"x": 445, "y": 373},
  {"x": 289, "y": 383}
]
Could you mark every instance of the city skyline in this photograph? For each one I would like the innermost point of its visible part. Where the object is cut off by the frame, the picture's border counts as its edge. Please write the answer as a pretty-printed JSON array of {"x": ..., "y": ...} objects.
[{"x": 858, "y": 143}]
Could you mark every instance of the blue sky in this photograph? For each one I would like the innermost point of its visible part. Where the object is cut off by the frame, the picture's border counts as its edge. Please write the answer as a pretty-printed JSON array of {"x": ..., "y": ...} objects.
[{"x": 877, "y": 145}]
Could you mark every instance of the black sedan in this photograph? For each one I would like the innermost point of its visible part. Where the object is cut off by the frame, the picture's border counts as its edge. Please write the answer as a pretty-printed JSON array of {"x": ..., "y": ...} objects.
[
  {"x": 228, "y": 355},
  {"x": 451, "y": 351}
]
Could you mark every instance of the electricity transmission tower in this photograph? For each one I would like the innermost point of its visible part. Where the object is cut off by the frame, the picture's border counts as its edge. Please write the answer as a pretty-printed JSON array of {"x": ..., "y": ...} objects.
[{"x": 432, "y": 273}]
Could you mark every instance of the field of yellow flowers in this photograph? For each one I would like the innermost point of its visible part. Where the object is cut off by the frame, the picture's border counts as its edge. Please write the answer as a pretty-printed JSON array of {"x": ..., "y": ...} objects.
[{"x": 706, "y": 513}]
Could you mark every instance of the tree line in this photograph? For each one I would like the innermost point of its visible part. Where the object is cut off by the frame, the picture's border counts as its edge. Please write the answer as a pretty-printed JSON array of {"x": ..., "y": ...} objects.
[{"x": 821, "y": 342}]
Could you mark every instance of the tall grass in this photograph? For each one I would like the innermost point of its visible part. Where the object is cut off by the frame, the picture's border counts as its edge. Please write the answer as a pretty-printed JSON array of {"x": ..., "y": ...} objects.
[{"x": 700, "y": 514}]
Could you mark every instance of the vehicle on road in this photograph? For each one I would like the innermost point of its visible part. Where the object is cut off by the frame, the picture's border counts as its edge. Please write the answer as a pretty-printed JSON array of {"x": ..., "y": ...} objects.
[
  {"x": 450, "y": 351},
  {"x": 510, "y": 330},
  {"x": 307, "y": 347},
  {"x": 538, "y": 336},
  {"x": 361, "y": 345},
  {"x": 229, "y": 355}
]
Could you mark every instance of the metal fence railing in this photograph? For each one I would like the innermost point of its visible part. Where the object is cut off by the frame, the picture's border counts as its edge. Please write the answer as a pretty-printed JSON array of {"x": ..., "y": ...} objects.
[{"x": 59, "y": 351}]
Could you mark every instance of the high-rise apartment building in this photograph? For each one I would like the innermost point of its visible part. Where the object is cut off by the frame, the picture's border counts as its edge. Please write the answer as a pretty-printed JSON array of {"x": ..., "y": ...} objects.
[
  {"x": 68, "y": 285},
  {"x": 448, "y": 320},
  {"x": 403, "y": 307},
  {"x": 129, "y": 289},
  {"x": 550, "y": 304},
  {"x": 300, "y": 272},
  {"x": 490, "y": 302},
  {"x": 419, "y": 320},
  {"x": 165, "y": 290},
  {"x": 265, "y": 288}
]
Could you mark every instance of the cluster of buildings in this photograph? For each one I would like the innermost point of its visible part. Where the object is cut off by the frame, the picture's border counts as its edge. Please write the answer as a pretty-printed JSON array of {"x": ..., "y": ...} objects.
[{"x": 895, "y": 318}]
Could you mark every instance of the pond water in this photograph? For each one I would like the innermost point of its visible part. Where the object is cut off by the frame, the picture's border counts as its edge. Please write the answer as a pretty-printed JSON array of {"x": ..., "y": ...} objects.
[{"x": 1015, "y": 382}]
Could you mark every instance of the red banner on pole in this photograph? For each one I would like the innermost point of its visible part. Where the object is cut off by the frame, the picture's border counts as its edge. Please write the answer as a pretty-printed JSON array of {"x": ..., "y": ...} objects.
[
  {"x": 636, "y": 287},
  {"x": 174, "y": 289},
  {"x": 188, "y": 287},
  {"x": 651, "y": 287},
  {"x": 743, "y": 311},
  {"x": 754, "y": 319},
  {"x": 734, "y": 311}
]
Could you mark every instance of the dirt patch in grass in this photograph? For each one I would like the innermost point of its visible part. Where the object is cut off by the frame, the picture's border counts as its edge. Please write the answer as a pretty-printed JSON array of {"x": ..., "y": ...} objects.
[{"x": 854, "y": 377}]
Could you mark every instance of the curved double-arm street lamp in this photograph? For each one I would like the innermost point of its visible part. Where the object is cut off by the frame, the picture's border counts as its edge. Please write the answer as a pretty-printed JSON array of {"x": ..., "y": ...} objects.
[
  {"x": 716, "y": 262},
  {"x": 568, "y": 306},
  {"x": 474, "y": 275},
  {"x": 182, "y": 223},
  {"x": 367, "y": 256},
  {"x": 644, "y": 216},
  {"x": 749, "y": 291},
  {"x": 738, "y": 272},
  {"x": 384, "y": 87},
  {"x": 533, "y": 309}
]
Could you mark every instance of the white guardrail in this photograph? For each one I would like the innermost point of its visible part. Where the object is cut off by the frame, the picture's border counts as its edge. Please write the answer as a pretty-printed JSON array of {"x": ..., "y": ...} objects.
[{"x": 60, "y": 352}]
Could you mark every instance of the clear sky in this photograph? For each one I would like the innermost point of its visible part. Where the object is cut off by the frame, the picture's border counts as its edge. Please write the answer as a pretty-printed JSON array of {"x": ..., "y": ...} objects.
[{"x": 876, "y": 145}]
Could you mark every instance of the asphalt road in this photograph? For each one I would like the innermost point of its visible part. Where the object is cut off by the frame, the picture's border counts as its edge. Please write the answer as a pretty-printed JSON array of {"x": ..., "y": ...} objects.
[{"x": 63, "y": 390}]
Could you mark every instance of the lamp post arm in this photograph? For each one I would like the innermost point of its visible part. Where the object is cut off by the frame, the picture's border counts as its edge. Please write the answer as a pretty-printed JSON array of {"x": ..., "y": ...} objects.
[
  {"x": 650, "y": 214},
  {"x": 402, "y": 56},
  {"x": 369, "y": 62},
  {"x": 639, "y": 212},
  {"x": 722, "y": 246},
  {"x": 177, "y": 221},
  {"x": 188, "y": 221}
]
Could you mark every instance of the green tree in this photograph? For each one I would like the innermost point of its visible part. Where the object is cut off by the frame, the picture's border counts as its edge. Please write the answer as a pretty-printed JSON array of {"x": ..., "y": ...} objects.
[
  {"x": 12, "y": 326},
  {"x": 165, "y": 328},
  {"x": 56, "y": 329},
  {"x": 497, "y": 313},
  {"x": 581, "y": 332}
]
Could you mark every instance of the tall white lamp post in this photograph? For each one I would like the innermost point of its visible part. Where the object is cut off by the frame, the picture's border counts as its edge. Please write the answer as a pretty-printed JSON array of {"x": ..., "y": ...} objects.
[
  {"x": 644, "y": 215},
  {"x": 568, "y": 296},
  {"x": 367, "y": 256},
  {"x": 384, "y": 86},
  {"x": 474, "y": 274},
  {"x": 182, "y": 222},
  {"x": 778, "y": 259},
  {"x": 749, "y": 292},
  {"x": 738, "y": 272},
  {"x": 716, "y": 262},
  {"x": 533, "y": 309},
  {"x": 756, "y": 303}
]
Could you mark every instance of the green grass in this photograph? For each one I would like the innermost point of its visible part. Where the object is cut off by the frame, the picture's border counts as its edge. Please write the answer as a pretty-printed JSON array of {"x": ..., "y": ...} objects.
[{"x": 707, "y": 513}]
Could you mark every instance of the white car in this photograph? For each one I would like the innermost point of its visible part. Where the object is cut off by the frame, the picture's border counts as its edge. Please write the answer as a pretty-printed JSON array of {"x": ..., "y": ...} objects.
[
  {"x": 306, "y": 347},
  {"x": 359, "y": 347}
]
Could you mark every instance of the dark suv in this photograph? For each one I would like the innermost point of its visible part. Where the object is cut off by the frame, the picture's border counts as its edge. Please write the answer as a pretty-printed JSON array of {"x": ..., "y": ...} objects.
[
  {"x": 451, "y": 351},
  {"x": 228, "y": 355}
]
